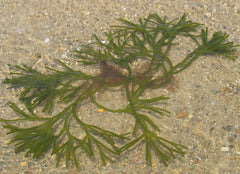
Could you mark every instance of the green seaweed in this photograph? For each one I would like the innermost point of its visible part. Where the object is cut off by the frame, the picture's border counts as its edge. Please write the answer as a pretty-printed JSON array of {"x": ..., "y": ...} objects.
[{"x": 149, "y": 40}]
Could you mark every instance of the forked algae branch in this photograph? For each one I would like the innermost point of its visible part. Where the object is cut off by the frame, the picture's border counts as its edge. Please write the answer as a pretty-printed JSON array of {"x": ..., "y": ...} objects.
[{"x": 149, "y": 41}]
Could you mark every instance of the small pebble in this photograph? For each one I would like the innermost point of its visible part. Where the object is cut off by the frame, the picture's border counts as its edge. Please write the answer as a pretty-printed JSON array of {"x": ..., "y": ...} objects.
[
  {"x": 190, "y": 116},
  {"x": 181, "y": 113},
  {"x": 46, "y": 40},
  {"x": 23, "y": 164},
  {"x": 101, "y": 110},
  {"x": 224, "y": 149}
]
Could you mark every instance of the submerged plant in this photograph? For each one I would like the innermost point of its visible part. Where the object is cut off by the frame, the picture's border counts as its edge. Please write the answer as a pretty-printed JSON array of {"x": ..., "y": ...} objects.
[{"x": 149, "y": 41}]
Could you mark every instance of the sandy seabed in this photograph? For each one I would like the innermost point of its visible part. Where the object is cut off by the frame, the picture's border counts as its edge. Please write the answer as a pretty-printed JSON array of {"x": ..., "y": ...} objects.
[{"x": 204, "y": 99}]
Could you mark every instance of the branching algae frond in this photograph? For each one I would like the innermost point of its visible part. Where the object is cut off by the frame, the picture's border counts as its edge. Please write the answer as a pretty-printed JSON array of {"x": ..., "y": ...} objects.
[{"x": 148, "y": 41}]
